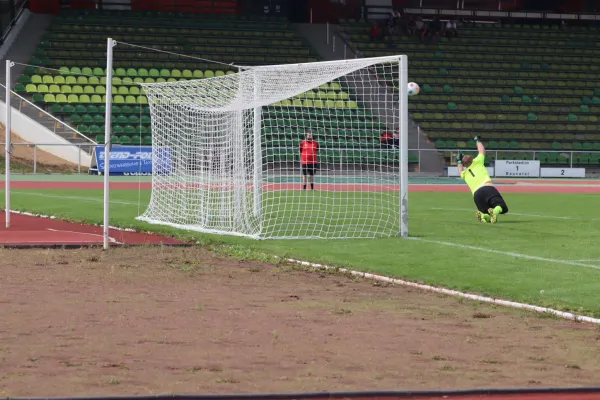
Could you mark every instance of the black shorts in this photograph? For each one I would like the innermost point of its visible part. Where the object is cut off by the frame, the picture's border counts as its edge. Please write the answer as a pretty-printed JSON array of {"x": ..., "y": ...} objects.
[
  {"x": 487, "y": 197},
  {"x": 309, "y": 169}
]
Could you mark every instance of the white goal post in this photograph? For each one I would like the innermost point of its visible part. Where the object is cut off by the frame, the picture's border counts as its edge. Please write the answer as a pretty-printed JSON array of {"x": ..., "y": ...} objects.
[{"x": 227, "y": 153}]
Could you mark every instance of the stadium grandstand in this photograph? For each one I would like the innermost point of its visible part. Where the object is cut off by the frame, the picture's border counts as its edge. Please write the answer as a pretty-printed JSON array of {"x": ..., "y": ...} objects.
[
  {"x": 67, "y": 78},
  {"x": 523, "y": 85}
]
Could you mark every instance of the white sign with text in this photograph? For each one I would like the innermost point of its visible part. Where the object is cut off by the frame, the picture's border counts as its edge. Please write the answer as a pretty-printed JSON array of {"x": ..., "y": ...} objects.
[
  {"x": 563, "y": 173},
  {"x": 517, "y": 169}
]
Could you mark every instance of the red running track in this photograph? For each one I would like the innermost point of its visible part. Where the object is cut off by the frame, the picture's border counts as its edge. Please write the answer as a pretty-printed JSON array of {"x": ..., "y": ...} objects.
[{"x": 30, "y": 231}]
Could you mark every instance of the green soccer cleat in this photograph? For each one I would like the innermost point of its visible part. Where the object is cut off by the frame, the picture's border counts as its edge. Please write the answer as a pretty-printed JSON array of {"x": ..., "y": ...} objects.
[
  {"x": 493, "y": 216},
  {"x": 479, "y": 216}
]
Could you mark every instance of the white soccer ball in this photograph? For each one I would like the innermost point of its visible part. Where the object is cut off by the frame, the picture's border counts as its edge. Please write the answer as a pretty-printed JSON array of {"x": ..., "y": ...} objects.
[{"x": 413, "y": 89}]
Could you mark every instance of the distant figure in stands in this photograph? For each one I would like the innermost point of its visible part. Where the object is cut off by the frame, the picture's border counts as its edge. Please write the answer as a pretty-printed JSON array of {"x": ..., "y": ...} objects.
[
  {"x": 451, "y": 29},
  {"x": 386, "y": 139},
  {"x": 433, "y": 29},
  {"x": 396, "y": 138},
  {"x": 376, "y": 32},
  {"x": 411, "y": 27},
  {"x": 394, "y": 21},
  {"x": 309, "y": 159},
  {"x": 419, "y": 27},
  {"x": 487, "y": 198},
  {"x": 391, "y": 25}
]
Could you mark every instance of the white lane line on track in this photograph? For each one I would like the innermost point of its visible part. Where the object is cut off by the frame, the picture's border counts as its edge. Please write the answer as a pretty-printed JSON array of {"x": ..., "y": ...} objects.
[
  {"x": 110, "y": 239},
  {"x": 506, "y": 253}
]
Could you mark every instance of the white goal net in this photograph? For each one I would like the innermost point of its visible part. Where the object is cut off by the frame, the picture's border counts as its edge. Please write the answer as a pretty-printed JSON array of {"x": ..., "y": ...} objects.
[{"x": 233, "y": 154}]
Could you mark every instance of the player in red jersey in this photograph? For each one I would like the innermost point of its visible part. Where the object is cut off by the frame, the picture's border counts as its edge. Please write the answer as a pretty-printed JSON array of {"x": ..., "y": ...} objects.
[{"x": 309, "y": 151}]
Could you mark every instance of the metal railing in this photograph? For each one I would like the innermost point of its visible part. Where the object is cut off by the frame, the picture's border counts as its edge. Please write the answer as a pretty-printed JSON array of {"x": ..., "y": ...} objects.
[
  {"x": 496, "y": 154},
  {"x": 165, "y": 5},
  {"x": 33, "y": 159},
  {"x": 348, "y": 50},
  {"x": 59, "y": 127}
]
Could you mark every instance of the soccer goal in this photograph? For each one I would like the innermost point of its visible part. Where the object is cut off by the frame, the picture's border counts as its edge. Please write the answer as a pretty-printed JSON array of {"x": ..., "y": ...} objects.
[{"x": 231, "y": 155}]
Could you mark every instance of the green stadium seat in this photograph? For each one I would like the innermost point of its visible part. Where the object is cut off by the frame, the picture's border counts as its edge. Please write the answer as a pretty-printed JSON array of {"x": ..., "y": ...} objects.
[
  {"x": 31, "y": 88},
  {"x": 82, "y": 128},
  {"x": 36, "y": 79},
  {"x": 48, "y": 98},
  {"x": 43, "y": 89}
]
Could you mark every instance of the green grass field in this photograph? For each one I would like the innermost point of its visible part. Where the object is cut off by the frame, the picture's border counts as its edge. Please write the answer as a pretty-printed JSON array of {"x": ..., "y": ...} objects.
[{"x": 532, "y": 249}]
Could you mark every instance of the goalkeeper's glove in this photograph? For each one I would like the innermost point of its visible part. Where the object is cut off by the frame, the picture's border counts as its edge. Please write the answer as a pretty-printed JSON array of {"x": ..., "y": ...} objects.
[
  {"x": 459, "y": 158},
  {"x": 477, "y": 138}
]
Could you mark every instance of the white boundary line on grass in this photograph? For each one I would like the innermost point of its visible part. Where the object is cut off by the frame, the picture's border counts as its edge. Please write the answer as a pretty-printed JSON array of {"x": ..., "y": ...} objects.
[
  {"x": 506, "y": 253},
  {"x": 519, "y": 214},
  {"x": 455, "y": 293},
  {"x": 81, "y": 198}
]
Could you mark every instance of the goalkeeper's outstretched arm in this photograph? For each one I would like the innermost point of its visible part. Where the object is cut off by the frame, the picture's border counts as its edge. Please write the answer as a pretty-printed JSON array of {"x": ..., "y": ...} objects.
[
  {"x": 480, "y": 147},
  {"x": 459, "y": 163}
]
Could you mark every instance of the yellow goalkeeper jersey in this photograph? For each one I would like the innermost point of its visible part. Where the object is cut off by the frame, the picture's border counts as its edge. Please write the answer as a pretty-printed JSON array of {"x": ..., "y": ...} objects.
[{"x": 477, "y": 174}]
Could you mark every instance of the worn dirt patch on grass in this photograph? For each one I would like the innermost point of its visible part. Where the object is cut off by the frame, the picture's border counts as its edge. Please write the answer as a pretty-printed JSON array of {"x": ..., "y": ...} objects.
[
  {"x": 23, "y": 157},
  {"x": 176, "y": 320}
]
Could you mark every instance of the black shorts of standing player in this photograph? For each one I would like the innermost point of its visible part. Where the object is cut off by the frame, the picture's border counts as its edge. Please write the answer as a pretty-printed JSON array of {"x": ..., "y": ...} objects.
[
  {"x": 487, "y": 197},
  {"x": 309, "y": 169}
]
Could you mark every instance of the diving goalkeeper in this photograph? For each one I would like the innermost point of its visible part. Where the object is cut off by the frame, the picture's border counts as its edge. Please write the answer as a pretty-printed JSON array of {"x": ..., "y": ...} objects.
[{"x": 488, "y": 200}]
